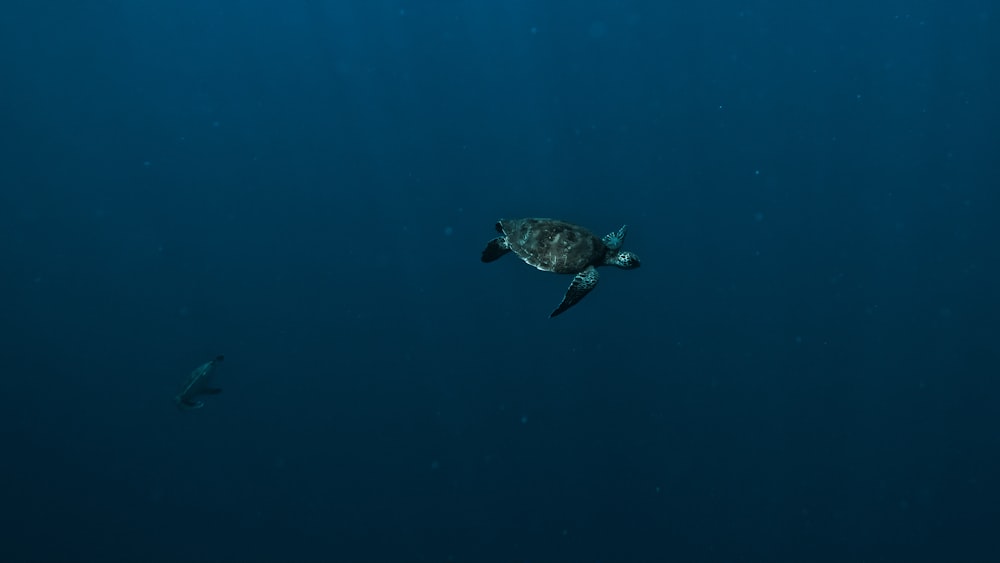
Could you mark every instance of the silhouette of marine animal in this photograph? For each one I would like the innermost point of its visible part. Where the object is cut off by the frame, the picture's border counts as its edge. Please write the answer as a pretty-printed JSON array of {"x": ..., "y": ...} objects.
[
  {"x": 564, "y": 248},
  {"x": 196, "y": 384}
]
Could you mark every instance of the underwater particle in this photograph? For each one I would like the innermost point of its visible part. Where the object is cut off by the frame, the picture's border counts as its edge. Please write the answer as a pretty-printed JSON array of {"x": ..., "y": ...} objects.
[
  {"x": 534, "y": 31},
  {"x": 155, "y": 494},
  {"x": 435, "y": 465},
  {"x": 216, "y": 124},
  {"x": 524, "y": 419},
  {"x": 147, "y": 163},
  {"x": 598, "y": 29},
  {"x": 448, "y": 231},
  {"x": 758, "y": 216}
]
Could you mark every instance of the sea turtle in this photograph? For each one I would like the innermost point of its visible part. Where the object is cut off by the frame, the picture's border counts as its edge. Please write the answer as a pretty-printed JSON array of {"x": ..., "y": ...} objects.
[
  {"x": 197, "y": 384},
  {"x": 563, "y": 248}
]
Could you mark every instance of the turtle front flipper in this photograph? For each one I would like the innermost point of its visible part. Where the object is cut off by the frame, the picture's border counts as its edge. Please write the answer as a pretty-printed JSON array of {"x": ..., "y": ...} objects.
[
  {"x": 614, "y": 240},
  {"x": 495, "y": 249},
  {"x": 581, "y": 286}
]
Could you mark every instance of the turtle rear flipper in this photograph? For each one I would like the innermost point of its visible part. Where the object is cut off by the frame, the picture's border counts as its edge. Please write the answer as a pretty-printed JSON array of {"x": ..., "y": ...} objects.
[
  {"x": 582, "y": 284},
  {"x": 495, "y": 249},
  {"x": 186, "y": 404}
]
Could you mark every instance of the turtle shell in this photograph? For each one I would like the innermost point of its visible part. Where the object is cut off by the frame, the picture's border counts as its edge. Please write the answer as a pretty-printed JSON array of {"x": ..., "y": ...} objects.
[{"x": 553, "y": 246}]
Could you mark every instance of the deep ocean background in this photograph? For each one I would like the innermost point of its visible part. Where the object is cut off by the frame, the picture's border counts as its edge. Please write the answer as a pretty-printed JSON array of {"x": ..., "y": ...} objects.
[{"x": 804, "y": 368}]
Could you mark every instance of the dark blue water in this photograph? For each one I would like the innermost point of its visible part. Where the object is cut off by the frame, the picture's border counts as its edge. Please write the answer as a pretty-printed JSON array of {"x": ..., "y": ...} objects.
[{"x": 804, "y": 368}]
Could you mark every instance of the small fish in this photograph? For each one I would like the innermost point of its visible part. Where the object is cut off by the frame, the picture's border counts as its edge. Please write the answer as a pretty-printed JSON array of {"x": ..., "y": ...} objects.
[{"x": 197, "y": 384}]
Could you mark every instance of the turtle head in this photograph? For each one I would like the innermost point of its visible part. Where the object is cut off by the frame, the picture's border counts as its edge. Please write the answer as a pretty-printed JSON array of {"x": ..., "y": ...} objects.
[{"x": 624, "y": 260}]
